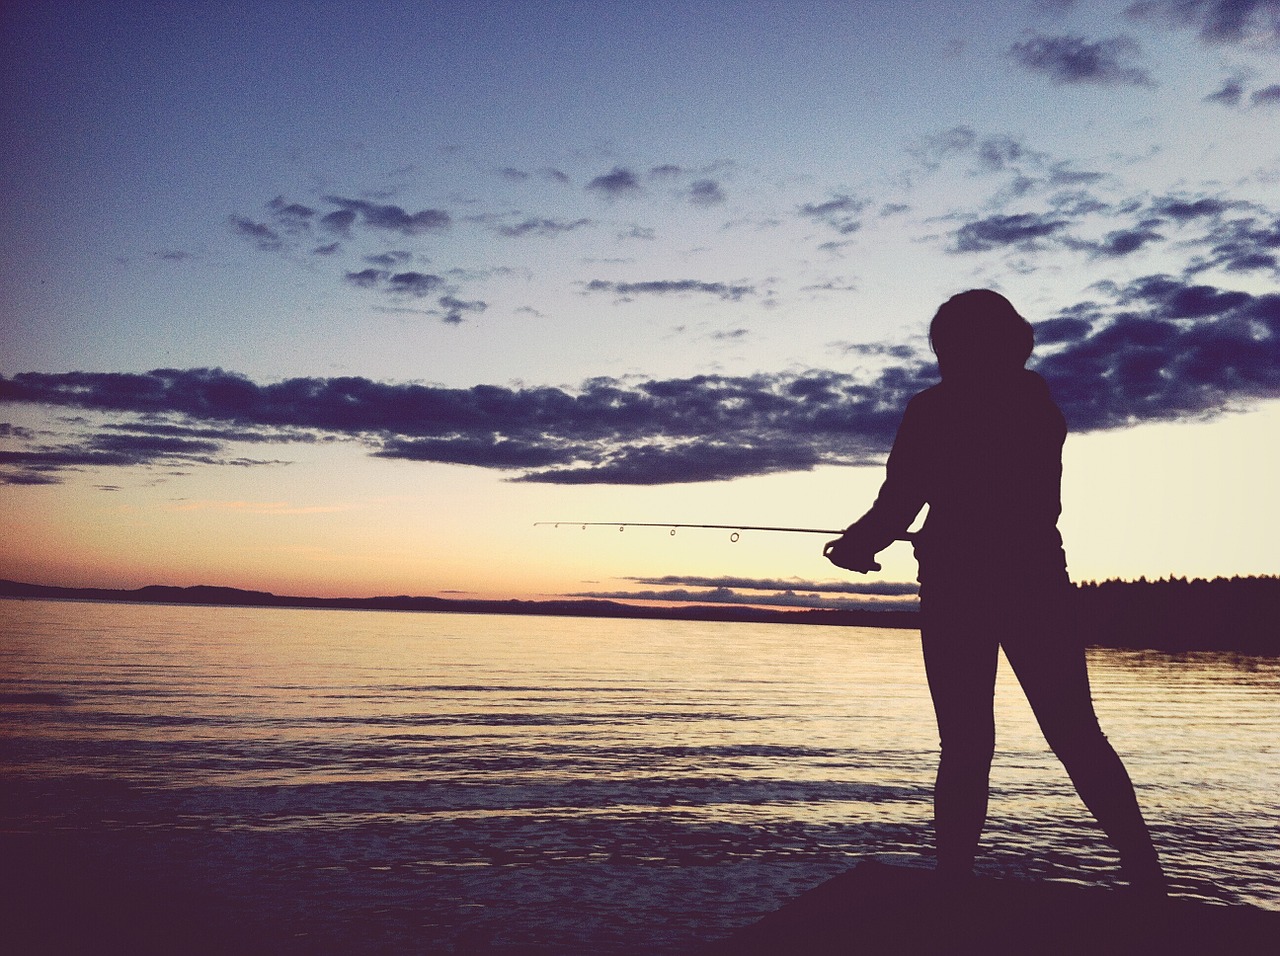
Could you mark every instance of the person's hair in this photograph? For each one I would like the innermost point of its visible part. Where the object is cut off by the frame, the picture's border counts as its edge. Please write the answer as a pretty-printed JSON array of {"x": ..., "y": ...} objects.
[{"x": 980, "y": 330}]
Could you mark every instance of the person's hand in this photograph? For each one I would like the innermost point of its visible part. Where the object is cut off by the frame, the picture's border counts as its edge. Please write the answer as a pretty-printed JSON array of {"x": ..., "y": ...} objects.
[{"x": 846, "y": 553}]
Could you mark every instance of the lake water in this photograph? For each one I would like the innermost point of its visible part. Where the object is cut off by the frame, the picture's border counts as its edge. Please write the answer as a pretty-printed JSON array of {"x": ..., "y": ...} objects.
[{"x": 411, "y": 782}]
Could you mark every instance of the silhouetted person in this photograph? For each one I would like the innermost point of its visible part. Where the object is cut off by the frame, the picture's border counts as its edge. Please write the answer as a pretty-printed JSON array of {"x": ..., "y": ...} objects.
[{"x": 983, "y": 449}]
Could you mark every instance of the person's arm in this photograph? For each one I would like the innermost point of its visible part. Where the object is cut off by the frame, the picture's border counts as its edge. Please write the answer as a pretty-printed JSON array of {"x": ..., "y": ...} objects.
[{"x": 900, "y": 499}]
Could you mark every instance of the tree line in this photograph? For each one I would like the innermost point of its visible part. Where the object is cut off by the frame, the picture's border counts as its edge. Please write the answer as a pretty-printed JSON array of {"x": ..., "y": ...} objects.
[{"x": 1176, "y": 614}]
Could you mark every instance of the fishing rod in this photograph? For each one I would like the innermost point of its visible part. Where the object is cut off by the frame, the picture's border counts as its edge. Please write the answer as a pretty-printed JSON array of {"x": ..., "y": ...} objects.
[{"x": 673, "y": 525}]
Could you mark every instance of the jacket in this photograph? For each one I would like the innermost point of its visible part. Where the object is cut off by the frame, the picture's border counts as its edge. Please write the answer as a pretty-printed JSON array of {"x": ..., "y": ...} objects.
[{"x": 986, "y": 456}]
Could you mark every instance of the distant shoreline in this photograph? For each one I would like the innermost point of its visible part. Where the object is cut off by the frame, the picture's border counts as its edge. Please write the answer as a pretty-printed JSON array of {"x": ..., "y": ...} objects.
[
  {"x": 237, "y": 597},
  {"x": 1235, "y": 615}
]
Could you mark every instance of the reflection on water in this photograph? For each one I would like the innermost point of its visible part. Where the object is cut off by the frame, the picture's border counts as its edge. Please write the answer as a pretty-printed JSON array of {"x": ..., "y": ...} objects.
[{"x": 581, "y": 783}]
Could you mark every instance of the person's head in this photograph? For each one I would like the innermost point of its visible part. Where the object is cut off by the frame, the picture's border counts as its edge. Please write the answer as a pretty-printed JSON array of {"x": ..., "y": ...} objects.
[{"x": 979, "y": 332}]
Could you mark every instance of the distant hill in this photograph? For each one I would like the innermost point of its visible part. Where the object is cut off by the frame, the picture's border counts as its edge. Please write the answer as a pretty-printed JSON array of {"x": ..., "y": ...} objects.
[
  {"x": 204, "y": 594},
  {"x": 1240, "y": 615}
]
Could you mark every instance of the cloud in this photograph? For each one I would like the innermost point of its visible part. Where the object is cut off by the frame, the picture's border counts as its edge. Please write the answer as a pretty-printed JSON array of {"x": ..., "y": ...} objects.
[
  {"x": 1183, "y": 209},
  {"x": 1062, "y": 329},
  {"x": 455, "y": 310},
  {"x": 542, "y": 227},
  {"x": 388, "y": 259},
  {"x": 1020, "y": 229},
  {"x": 841, "y": 212},
  {"x": 9, "y": 430},
  {"x": 729, "y": 596},
  {"x": 339, "y": 222},
  {"x": 388, "y": 217},
  {"x": 620, "y": 181},
  {"x": 1073, "y": 59},
  {"x": 1122, "y": 242},
  {"x": 650, "y": 432},
  {"x": 705, "y": 192},
  {"x": 1158, "y": 348},
  {"x": 880, "y": 588},
  {"x": 259, "y": 233},
  {"x": 1230, "y": 94},
  {"x": 291, "y": 212},
  {"x": 776, "y": 592},
  {"x": 1215, "y": 21},
  {"x": 1242, "y": 245},
  {"x": 366, "y": 278},
  {"x": 1172, "y": 349},
  {"x": 721, "y": 290},
  {"x": 414, "y": 284},
  {"x": 1023, "y": 168},
  {"x": 115, "y": 447},
  {"x": 1267, "y": 96},
  {"x": 665, "y": 171}
]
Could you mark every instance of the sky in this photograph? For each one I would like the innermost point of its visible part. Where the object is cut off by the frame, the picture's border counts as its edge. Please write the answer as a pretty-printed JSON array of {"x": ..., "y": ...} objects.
[{"x": 342, "y": 298}]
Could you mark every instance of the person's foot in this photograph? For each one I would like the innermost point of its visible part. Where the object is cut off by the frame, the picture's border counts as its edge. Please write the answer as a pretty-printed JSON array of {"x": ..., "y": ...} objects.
[{"x": 1146, "y": 880}]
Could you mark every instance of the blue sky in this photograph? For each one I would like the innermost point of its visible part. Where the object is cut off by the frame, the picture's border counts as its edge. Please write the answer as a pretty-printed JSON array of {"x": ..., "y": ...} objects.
[{"x": 458, "y": 267}]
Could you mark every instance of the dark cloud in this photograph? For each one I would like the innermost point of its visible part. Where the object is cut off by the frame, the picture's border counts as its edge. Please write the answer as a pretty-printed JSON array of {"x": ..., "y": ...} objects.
[
  {"x": 340, "y": 221},
  {"x": 706, "y": 192},
  {"x": 389, "y": 259},
  {"x": 876, "y": 349},
  {"x": 1073, "y": 59},
  {"x": 115, "y": 447},
  {"x": 1123, "y": 242},
  {"x": 554, "y": 175},
  {"x": 1230, "y": 94},
  {"x": 880, "y": 588},
  {"x": 414, "y": 283},
  {"x": 1159, "y": 348},
  {"x": 721, "y": 290},
  {"x": 1061, "y": 329},
  {"x": 1172, "y": 349},
  {"x": 997, "y": 153},
  {"x": 367, "y": 278},
  {"x": 620, "y": 181},
  {"x": 680, "y": 430},
  {"x": 1215, "y": 21},
  {"x": 1021, "y": 229},
  {"x": 455, "y": 310},
  {"x": 259, "y": 233},
  {"x": 1267, "y": 96},
  {"x": 792, "y": 599},
  {"x": 388, "y": 217},
  {"x": 1183, "y": 209},
  {"x": 1243, "y": 245},
  {"x": 542, "y": 227},
  {"x": 665, "y": 171},
  {"x": 290, "y": 211},
  {"x": 841, "y": 213},
  {"x": 513, "y": 174}
]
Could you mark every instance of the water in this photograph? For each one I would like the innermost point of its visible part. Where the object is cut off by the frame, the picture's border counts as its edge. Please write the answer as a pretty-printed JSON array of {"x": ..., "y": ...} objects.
[{"x": 418, "y": 782}]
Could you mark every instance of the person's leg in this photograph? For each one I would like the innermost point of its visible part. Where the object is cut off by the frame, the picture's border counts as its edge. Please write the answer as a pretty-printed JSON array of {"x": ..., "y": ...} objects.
[
  {"x": 1047, "y": 655},
  {"x": 960, "y": 663}
]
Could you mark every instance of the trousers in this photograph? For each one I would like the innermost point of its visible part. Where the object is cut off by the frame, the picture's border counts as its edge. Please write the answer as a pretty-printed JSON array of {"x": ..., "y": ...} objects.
[{"x": 962, "y": 635}]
